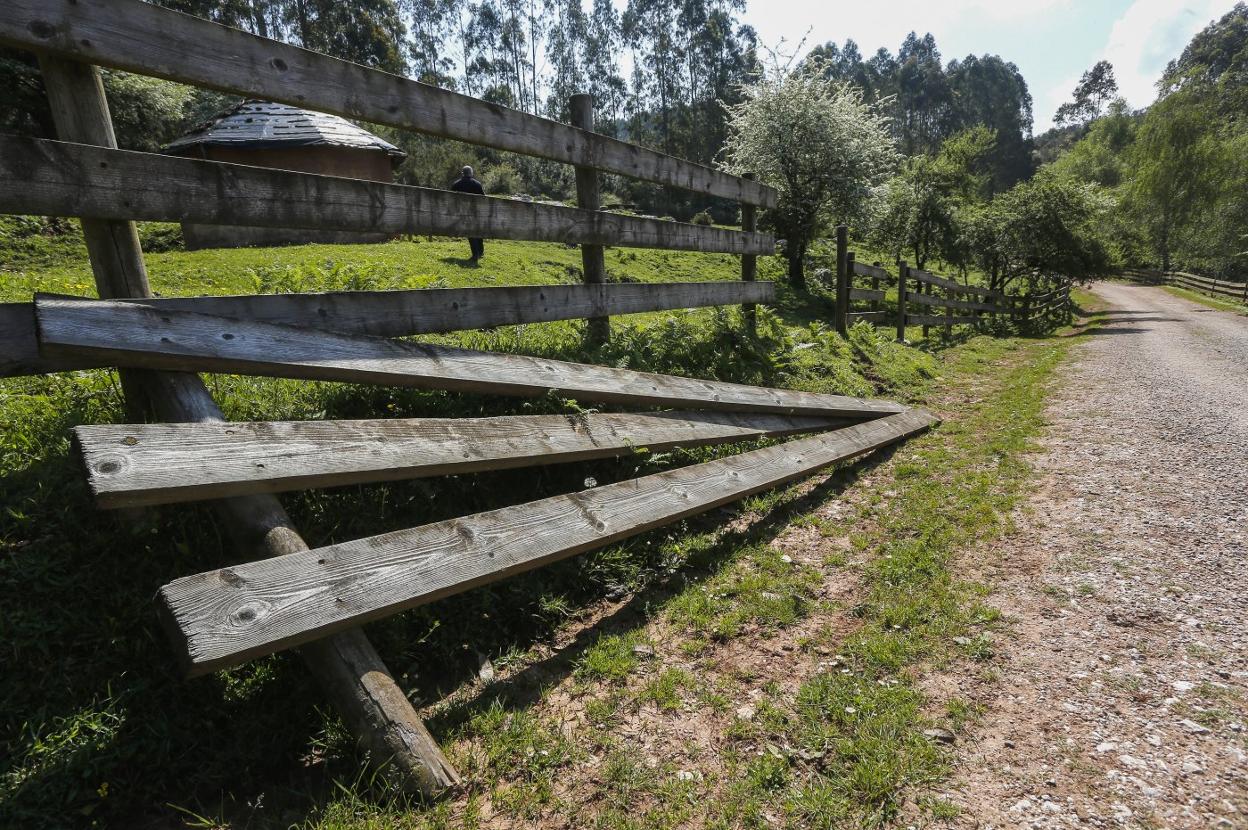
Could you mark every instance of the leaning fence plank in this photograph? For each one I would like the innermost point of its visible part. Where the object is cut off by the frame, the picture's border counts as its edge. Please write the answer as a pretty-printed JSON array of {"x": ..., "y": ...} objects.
[
  {"x": 53, "y": 178},
  {"x": 400, "y": 313},
  {"x": 149, "y": 40},
  {"x": 144, "y": 337},
  {"x": 144, "y": 464},
  {"x": 224, "y": 617}
]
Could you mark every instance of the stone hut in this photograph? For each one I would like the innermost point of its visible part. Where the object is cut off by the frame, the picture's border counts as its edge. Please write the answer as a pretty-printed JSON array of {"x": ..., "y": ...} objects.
[{"x": 265, "y": 134}]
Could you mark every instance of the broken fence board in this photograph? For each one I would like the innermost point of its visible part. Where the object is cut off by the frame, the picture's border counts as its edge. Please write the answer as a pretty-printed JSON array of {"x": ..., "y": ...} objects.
[
  {"x": 53, "y": 178},
  {"x": 130, "y": 465},
  {"x": 139, "y": 336},
  {"x": 401, "y": 313},
  {"x": 231, "y": 615},
  {"x": 149, "y": 40}
]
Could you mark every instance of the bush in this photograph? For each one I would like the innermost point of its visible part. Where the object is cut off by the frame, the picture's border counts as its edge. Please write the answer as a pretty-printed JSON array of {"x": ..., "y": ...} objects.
[{"x": 702, "y": 218}]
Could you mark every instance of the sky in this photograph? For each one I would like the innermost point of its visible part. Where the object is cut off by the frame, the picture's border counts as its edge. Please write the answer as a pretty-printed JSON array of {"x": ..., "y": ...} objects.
[{"x": 1053, "y": 42}]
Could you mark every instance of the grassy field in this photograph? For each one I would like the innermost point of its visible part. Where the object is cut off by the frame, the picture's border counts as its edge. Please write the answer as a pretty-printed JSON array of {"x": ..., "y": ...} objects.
[{"x": 97, "y": 729}]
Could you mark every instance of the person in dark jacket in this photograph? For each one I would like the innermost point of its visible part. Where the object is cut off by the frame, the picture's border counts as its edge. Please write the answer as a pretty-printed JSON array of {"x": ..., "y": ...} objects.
[{"x": 467, "y": 184}]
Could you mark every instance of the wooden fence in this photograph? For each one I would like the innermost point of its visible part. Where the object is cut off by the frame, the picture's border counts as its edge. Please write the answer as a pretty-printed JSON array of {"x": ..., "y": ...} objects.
[
  {"x": 926, "y": 299},
  {"x": 1222, "y": 289},
  {"x": 316, "y": 599}
]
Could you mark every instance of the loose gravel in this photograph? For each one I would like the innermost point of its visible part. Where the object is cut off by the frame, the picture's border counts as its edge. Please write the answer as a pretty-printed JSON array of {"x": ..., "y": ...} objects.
[{"x": 1123, "y": 695}]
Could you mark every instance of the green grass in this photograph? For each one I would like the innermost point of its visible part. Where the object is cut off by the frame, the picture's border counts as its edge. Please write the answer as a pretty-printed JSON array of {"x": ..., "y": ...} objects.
[{"x": 97, "y": 728}]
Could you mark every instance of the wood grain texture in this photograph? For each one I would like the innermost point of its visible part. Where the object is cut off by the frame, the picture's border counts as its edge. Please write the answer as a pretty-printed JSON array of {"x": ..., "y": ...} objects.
[
  {"x": 400, "y": 313},
  {"x": 140, "y": 336},
  {"x": 234, "y": 614},
  {"x": 144, "y": 464},
  {"x": 149, "y": 40},
  {"x": 53, "y": 178}
]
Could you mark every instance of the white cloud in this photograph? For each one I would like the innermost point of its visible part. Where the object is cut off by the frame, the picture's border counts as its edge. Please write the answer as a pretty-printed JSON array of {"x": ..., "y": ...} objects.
[
  {"x": 883, "y": 22},
  {"x": 1150, "y": 34}
]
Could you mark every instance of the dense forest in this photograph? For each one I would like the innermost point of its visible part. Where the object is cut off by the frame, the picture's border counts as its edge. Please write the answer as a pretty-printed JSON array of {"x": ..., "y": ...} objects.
[{"x": 968, "y": 186}]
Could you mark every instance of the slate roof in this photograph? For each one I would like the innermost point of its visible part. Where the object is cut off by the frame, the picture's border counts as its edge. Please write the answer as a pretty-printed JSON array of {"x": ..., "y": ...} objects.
[{"x": 265, "y": 124}]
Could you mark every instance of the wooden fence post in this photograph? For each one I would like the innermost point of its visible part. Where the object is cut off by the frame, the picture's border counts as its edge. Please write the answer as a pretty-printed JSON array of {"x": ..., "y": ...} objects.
[
  {"x": 374, "y": 707},
  {"x": 903, "y": 274},
  {"x": 80, "y": 113},
  {"x": 948, "y": 294},
  {"x": 749, "y": 262},
  {"x": 850, "y": 259},
  {"x": 588, "y": 197},
  {"x": 875, "y": 286},
  {"x": 842, "y": 279}
]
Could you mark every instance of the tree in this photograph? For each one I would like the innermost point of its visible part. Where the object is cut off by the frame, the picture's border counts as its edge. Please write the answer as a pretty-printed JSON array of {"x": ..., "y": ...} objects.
[
  {"x": 1094, "y": 91},
  {"x": 1040, "y": 232},
  {"x": 1177, "y": 163},
  {"x": 921, "y": 209},
  {"x": 818, "y": 143},
  {"x": 990, "y": 92}
]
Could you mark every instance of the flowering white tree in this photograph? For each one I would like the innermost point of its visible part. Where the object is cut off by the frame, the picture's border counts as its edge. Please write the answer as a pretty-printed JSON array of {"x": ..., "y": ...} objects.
[{"x": 818, "y": 143}]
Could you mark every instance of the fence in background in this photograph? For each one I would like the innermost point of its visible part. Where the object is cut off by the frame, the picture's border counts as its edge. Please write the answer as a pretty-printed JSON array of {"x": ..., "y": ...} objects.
[
  {"x": 1222, "y": 289},
  {"x": 926, "y": 299}
]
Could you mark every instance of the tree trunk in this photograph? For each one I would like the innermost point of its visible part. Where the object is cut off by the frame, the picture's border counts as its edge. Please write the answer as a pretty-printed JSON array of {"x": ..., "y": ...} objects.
[{"x": 797, "y": 270}]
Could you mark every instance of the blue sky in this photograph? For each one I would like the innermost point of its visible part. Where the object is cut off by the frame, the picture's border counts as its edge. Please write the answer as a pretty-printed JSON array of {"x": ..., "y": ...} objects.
[{"x": 1052, "y": 41}]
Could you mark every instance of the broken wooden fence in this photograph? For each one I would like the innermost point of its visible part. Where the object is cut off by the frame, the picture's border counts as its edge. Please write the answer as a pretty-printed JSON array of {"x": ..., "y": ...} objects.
[{"x": 317, "y": 599}]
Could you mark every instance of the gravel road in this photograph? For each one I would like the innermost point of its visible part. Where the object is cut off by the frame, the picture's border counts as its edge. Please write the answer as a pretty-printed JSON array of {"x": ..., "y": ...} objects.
[{"x": 1123, "y": 695}]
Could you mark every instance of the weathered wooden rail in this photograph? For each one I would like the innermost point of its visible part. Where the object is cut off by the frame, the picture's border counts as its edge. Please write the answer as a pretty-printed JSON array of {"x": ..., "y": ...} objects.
[{"x": 316, "y": 599}]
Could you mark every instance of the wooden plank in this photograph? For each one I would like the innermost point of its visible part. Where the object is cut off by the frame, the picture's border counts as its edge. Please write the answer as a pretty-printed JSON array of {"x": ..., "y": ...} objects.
[
  {"x": 346, "y": 665},
  {"x": 950, "y": 302},
  {"x": 865, "y": 294},
  {"x": 149, "y": 40},
  {"x": 862, "y": 269},
  {"x": 879, "y": 318},
  {"x": 51, "y": 178},
  {"x": 146, "y": 337},
  {"x": 231, "y": 615},
  {"x": 132, "y": 465},
  {"x": 932, "y": 279},
  {"x": 400, "y": 313},
  {"x": 589, "y": 197},
  {"x": 937, "y": 320}
]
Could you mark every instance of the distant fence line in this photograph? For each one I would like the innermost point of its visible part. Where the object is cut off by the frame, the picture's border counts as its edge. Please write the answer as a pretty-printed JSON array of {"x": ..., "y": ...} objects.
[
  {"x": 926, "y": 299},
  {"x": 1222, "y": 289}
]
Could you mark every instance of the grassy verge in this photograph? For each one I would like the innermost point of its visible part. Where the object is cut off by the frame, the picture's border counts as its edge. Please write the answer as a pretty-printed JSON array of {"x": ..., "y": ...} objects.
[
  {"x": 1206, "y": 300},
  {"x": 97, "y": 729}
]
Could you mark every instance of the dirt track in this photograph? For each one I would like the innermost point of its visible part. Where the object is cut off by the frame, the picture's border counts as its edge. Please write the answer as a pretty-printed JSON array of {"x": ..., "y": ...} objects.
[{"x": 1123, "y": 700}]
